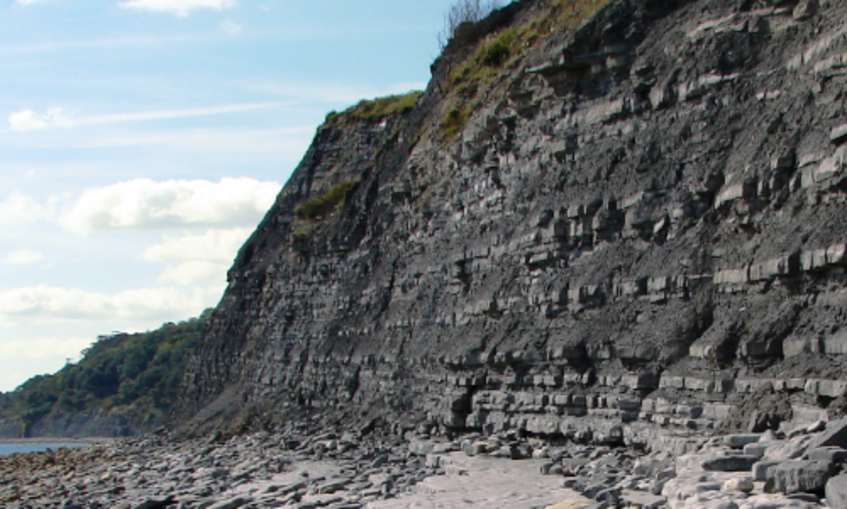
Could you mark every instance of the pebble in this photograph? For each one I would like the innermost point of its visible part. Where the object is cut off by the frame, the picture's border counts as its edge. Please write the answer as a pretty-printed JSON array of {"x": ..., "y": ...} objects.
[{"x": 267, "y": 470}]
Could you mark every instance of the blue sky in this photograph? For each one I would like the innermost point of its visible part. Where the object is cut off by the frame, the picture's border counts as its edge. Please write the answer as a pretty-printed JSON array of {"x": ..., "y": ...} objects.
[{"x": 141, "y": 141}]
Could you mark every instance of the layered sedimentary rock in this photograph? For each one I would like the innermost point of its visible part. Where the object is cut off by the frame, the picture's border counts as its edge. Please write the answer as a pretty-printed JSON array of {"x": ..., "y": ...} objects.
[{"x": 640, "y": 224}]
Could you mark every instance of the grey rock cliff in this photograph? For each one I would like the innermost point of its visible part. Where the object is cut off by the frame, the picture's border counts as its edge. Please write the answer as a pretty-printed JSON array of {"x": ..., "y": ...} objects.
[{"x": 641, "y": 224}]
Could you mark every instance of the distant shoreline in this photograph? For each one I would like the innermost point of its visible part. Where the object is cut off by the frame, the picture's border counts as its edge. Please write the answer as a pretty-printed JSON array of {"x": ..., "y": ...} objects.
[{"x": 55, "y": 440}]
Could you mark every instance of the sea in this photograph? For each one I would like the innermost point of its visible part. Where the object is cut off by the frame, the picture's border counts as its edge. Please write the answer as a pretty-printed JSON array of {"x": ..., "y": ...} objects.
[{"x": 12, "y": 448}]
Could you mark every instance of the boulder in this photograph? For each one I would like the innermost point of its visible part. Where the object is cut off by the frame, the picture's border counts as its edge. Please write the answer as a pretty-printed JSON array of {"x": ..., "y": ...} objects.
[
  {"x": 826, "y": 454},
  {"x": 788, "y": 449},
  {"x": 760, "y": 469},
  {"x": 743, "y": 484},
  {"x": 835, "y": 435},
  {"x": 730, "y": 463},
  {"x": 836, "y": 492},
  {"x": 738, "y": 441},
  {"x": 799, "y": 476},
  {"x": 757, "y": 449}
]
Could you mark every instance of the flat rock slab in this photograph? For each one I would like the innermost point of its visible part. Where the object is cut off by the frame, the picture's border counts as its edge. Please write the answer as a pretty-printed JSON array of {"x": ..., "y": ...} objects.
[
  {"x": 835, "y": 435},
  {"x": 738, "y": 441},
  {"x": 730, "y": 463},
  {"x": 800, "y": 476}
]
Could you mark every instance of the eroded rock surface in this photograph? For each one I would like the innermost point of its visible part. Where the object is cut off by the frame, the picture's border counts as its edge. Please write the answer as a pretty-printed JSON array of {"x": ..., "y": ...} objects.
[{"x": 640, "y": 225}]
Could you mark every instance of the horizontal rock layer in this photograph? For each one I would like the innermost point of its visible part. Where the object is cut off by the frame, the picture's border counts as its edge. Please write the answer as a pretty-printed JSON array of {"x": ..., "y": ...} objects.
[{"x": 641, "y": 223}]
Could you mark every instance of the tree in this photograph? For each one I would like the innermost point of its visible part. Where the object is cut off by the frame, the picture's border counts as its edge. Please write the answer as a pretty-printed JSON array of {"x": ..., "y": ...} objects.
[{"x": 464, "y": 11}]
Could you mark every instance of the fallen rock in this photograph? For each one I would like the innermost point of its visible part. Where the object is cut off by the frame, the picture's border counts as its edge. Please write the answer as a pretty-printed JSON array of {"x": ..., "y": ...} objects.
[
  {"x": 730, "y": 463},
  {"x": 743, "y": 484},
  {"x": 835, "y": 435},
  {"x": 836, "y": 492},
  {"x": 799, "y": 476}
]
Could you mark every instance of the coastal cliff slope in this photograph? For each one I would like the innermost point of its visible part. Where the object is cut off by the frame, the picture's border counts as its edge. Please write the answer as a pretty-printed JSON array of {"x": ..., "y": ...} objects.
[{"x": 598, "y": 218}]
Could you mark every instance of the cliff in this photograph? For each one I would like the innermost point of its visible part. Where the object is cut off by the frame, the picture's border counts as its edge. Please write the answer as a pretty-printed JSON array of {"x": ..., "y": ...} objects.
[{"x": 598, "y": 219}]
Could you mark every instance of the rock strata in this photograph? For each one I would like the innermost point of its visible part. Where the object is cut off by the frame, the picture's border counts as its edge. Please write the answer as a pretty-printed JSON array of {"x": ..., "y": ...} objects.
[
  {"x": 626, "y": 243},
  {"x": 636, "y": 229}
]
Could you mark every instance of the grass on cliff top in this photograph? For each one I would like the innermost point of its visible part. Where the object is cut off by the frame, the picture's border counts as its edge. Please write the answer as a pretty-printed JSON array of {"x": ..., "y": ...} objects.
[
  {"x": 498, "y": 50},
  {"x": 377, "y": 109},
  {"x": 325, "y": 204}
]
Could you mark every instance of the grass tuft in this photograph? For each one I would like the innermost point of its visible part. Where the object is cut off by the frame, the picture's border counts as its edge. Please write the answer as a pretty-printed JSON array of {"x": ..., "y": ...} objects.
[
  {"x": 467, "y": 78},
  {"x": 325, "y": 204},
  {"x": 378, "y": 109}
]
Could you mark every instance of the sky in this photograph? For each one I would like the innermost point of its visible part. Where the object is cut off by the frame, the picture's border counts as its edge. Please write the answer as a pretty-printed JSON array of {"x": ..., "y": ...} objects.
[{"x": 141, "y": 142}]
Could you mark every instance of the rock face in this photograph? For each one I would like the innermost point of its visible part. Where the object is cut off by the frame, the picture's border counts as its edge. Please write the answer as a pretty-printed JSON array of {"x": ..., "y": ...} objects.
[{"x": 639, "y": 222}]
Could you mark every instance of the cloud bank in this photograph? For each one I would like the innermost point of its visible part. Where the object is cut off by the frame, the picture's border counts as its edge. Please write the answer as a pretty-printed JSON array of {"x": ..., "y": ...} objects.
[
  {"x": 213, "y": 246},
  {"x": 22, "y": 257},
  {"x": 181, "y": 8},
  {"x": 28, "y": 120},
  {"x": 50, "y": 304},
  {"x": 198, "y": 259},
  {"x": 146, "y": 204},
  {"x": 20, "y": 208}
]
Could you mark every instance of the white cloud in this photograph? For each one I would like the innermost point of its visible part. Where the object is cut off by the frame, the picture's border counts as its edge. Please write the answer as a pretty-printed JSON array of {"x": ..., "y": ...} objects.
[
  {"x": 181, "y": 8},
  {"x": 196, "y": 272},
  {"x": 147, "y": 204},
  {"x": 22, "y": 358},
  {"x": 231, "y": 27},
  {"x": 20, "y": 208},
  {"x": 22, "y": 257},
  {"x": 48, "y": 304},
  {"x": 213, "y": 246},
  {"x": 204, "y": 259},
  {"x": 28, "y": 2},
  {"x": 36, "y": 348},
  {"x": 29, "y": 120}
]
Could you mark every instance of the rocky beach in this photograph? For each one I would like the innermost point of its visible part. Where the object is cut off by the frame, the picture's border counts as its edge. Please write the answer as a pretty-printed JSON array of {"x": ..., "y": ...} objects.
[
  {"x": 800, "y": 469},
  {"x": 601, "y": 261}
]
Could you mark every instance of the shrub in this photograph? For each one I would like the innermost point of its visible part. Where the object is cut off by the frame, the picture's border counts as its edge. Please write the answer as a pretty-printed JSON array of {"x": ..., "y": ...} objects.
[
  {"x": 325, "y": 204},
  {"x": 464, "y": 11},
  {"x": 453, "y": 122},
  {"x": 495, "y": 52}
]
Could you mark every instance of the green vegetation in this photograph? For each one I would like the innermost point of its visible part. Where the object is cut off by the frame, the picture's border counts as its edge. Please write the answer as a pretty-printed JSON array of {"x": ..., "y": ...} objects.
[
  {"x": 316, "y": 208},
  {"x": 464, "y": 11},
  {"x": 453, "y": 122},
  {"x": 496, "y": 51},
  {"x": 379, "y": 108},
  {"x": 133, "y": 374}
]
